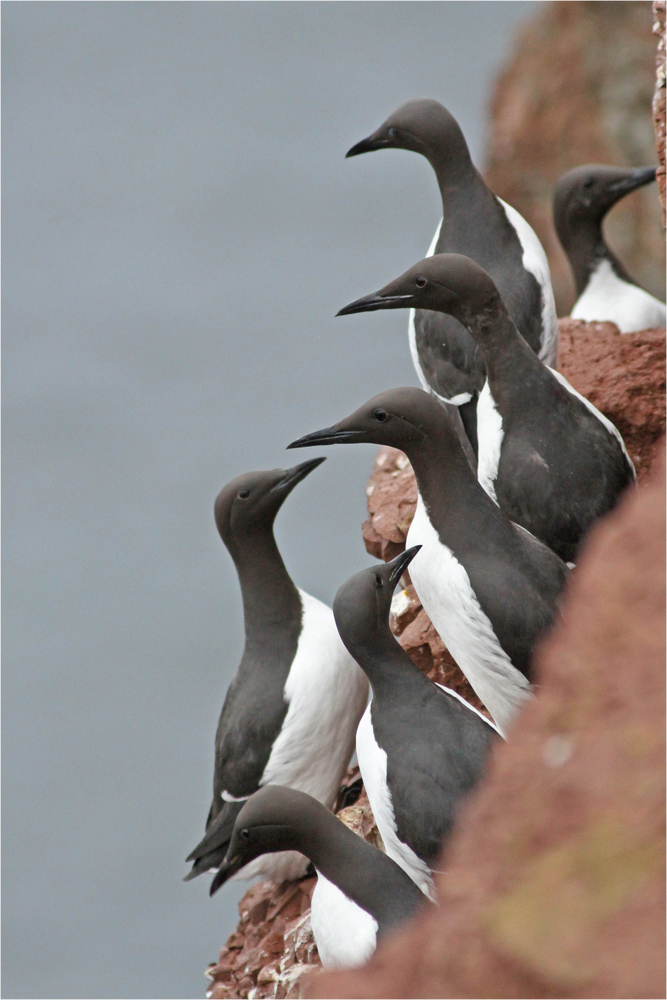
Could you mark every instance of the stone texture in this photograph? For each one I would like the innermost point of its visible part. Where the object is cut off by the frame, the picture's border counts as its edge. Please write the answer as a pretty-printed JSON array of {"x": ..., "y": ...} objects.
[
  {"x": 561, "y": 894},
  {"x": 623, "y": 375},
  {"x": 659, "y": 97},
  {"x": 578, "y": 88}
]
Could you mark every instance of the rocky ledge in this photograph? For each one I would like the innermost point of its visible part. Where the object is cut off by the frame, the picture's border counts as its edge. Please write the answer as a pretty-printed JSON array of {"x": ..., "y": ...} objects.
[{"x": 272, "y": 951}]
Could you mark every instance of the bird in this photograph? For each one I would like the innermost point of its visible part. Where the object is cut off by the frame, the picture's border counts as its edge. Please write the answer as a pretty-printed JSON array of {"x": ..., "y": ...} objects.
[
  {"x": 360, "y": 894},
  {"x": 605, "y": 290},
  {"x": 489, "y": 587},
  {"x": 480, "y": 225},
  {"x": 291, "y": 711},
  {"x": 421, "y": 748},
  {"x": 553, "y": 462}
]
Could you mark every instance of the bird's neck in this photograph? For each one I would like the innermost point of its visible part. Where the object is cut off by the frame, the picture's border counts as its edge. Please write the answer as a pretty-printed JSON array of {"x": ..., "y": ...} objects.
[
  {"x": 505, "y": 352},
  {"x": 445, "y": 479},
  {"x": 380, "y": 656},
  {"x": 586, "y": 249},
  {"x": 456, "y": 174},
  {"x": 362, "y": 872},
  {"x": 269, "y": 594}
]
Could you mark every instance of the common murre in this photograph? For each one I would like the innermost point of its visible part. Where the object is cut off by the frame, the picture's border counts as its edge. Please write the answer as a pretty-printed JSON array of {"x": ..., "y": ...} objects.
[
  {"x": 552, "y": 461},
  {"x": 421, "y": 748},
  {"x": 291, "y": 711},
  {"x": 478, "y": 224},
  {"x": 490, "y": 588},
  {"x": 360, "y": 892},
  {"x": 605, "y": 290}
]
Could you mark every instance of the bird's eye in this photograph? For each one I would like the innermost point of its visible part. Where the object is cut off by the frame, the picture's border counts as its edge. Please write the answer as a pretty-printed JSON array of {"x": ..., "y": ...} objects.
[
  {"x": 245, "y": 835},
  {"x": 392, "y": 132},
  {"x": 378, "y": 581},
  {"x": 588, "y": 183},
  {"x": 381, "y": 415},
  {"x": 420, "y": 281},
  {"x": 244, "y": 494}
]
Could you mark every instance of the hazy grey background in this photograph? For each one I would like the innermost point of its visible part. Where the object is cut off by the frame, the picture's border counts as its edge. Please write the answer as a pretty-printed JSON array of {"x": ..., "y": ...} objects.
[{"x": 180, "y": 228}]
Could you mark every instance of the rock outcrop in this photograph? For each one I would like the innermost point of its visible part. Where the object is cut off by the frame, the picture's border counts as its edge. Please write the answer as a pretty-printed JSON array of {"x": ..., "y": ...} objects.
[
  {"x": 578, "y": 88},
  {"x": 659, "y": 97}
]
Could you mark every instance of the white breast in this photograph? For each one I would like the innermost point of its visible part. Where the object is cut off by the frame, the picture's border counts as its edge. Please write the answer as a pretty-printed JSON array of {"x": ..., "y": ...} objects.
[
  {"x": 345, "y": 934},
  {"x": 608, "y": 297},
  {"x": 373, "y": 766},
  {"x": 535, "y": 261},
  {"x": 443, "y": 587},
  {"x": 327, "y": 692},
  {"x": 490, "y": 435}
]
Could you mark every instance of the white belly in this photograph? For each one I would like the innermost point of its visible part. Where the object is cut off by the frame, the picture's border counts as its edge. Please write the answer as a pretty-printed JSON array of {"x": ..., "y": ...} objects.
[
  {"x": 608, "y": 297},
  {"x": 327, "y": 693},
  {"x": 373, "y": 766},
  {"x": 490, "y": 435},
  {"x": 443, "y": 587},
  {"x": 345, "y": 934}
]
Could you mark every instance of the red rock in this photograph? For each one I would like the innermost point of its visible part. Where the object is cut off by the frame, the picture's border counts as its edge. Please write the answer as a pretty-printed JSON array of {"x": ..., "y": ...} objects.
[
  {"x": 623, "y": 375},
  {"x": 659, "y": 97}
]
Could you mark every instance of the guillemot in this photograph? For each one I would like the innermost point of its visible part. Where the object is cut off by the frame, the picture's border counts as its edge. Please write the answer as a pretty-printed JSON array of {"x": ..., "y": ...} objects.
[
  {"x": 360, "y": 892},
  {"x": 421, "y": 748},
  {"x": 490, "y": 588},
  {"x": 605, "y": 290},
  {"x": 291, "y": 711},
  {"x": 552, "y": 461},
  {"x": 478, "y": 224}
]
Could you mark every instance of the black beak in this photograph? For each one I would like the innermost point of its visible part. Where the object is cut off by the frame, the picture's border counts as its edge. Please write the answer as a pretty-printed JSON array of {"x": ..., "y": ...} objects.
[
  {"x": 329, "y": 435},
  {"x": 401, "y": 563},
  {"x": 635, "y": 179},
  {"x": 367, "y": 145},
  {"x": 371, "y": 303},
  {"x": 296, "y": 474},
  {"x": 225, "y": 872}
]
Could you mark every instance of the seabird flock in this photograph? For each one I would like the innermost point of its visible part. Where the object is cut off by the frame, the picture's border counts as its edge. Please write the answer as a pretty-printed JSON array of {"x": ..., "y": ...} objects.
[{"x": 513, "y": 467}]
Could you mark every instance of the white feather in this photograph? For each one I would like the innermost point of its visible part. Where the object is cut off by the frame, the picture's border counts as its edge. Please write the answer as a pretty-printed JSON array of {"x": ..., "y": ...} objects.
[
  {"x": 490, "y": 435},
  {"x": 444, "y": 589},
  {"x": 535, "y": 261},
  {"x": 608, "y": 298},
  {"x": 412, "y": 335},
  {"x": 327, "y": 692},
  {"x": 345, "y": 934},
  {"x": 467, "y": 704},
  {"x": 373, "y": 766}
]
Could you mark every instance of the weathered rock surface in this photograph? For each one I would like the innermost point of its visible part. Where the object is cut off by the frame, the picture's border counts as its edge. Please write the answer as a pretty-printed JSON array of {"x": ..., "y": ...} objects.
[
  {"x": 659, "y": 97},
  {"x": 562, "y": 894},
  {"x": 623, "y": 375},
  {"x": 577, "y": 89}
]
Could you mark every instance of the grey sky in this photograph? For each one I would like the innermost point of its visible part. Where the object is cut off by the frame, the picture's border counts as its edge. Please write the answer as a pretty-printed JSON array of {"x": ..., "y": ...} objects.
[{"x": 180, "y": 228}]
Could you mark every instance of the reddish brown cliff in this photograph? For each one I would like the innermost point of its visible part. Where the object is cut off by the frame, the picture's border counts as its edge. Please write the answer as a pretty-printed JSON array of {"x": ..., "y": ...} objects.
[{"x": 659, "y": 97}]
